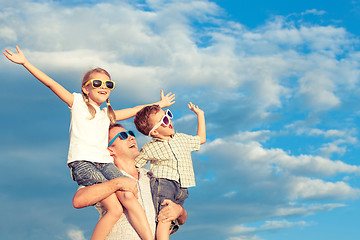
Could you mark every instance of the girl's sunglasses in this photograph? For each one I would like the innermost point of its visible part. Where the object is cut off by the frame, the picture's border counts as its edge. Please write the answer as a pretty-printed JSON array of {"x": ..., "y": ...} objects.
[
  {"x": 164, "y": 120},
  {"x": 96, "y": 83},
  {"x": 122, "y": 135}
]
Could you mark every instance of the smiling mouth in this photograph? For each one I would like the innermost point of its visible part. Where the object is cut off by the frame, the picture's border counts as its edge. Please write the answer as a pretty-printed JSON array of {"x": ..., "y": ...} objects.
[{"x": 102, "y": 92}]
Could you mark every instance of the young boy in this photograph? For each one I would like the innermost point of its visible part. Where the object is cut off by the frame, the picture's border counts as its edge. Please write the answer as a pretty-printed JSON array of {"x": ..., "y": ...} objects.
[{"x": 169, "y": 154}]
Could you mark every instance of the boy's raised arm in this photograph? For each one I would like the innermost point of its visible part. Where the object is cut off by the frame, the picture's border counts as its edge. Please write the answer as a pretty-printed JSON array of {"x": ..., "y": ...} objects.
[
  {"x": 201, "y": 131},
  {"x": 60, "y": 91}
]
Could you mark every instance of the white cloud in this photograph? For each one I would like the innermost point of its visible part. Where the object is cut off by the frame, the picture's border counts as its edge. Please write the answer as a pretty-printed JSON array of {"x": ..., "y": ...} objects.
[
  {"x": 158, "y": 47},
  {"x": 301, "y": 210},
  {"x": 267, "y": 226},
  {"x": 244, "y": 77},
  {"x": 317, "y": 189},
  {"x": 262, "y": 183},
  {"x": 254, "y": 156},
  {"x": 75, "y": 234}
]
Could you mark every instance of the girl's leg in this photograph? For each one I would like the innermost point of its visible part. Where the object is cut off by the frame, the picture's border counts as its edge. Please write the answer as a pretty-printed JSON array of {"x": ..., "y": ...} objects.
[
  {"x": 136, "y": 214},
  {"x": 163, "y": 230},
  {"x": 106, "y": 223}
]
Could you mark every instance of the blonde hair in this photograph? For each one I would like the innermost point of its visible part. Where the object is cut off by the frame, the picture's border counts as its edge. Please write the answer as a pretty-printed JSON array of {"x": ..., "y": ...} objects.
[{"x": 110, "y": 110}]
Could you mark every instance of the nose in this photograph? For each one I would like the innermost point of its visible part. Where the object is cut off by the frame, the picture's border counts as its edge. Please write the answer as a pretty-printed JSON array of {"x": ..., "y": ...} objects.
[{"x": 103, "y": 85}]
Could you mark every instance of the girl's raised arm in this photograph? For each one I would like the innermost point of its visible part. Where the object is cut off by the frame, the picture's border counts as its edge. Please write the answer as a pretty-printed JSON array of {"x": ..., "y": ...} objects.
[
  {"x": 60, "y": 91},
  {"x": 126, "y": 113}
]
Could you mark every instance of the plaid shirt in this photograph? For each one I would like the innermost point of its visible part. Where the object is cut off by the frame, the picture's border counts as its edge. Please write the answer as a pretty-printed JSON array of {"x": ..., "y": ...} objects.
[{"x": 171, "y": 159}]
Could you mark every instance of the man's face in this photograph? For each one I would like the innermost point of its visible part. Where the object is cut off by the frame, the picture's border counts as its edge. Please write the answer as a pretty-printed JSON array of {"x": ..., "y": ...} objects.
[{"x": 122, "y": 148}]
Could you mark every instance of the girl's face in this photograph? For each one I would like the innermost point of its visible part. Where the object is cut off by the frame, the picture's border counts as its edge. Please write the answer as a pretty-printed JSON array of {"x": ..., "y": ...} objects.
[{"x": 97, "y": 95}]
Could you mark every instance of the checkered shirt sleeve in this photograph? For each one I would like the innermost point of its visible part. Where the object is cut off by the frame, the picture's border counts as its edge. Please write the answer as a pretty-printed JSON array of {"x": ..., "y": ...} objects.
[{"x": 171, "y": 159}]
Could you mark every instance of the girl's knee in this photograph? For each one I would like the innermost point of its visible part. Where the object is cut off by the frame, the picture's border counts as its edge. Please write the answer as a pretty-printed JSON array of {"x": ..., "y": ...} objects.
[
  {"x": 115, "y": 211},
  {"x": 127, "y": 196}
]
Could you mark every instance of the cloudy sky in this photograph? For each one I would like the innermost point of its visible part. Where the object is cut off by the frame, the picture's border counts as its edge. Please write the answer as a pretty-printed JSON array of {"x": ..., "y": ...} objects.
[{"x": 278, "y": 82}]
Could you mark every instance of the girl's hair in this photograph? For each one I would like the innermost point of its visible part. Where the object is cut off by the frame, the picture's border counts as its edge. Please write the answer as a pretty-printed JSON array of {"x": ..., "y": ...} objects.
[{"x": 87, "y": 77}]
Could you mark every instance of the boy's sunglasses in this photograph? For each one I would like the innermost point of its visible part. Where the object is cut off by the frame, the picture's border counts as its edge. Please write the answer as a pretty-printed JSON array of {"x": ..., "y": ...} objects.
[
  {"x": 164, "y": 120},
  {"x": 122, "y": 135},
  {"x": 96, "y": 83}
]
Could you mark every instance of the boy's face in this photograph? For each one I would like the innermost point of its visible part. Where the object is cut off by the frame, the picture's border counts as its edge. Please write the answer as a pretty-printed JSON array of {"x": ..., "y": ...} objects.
[{"x": 162, "y": 132}]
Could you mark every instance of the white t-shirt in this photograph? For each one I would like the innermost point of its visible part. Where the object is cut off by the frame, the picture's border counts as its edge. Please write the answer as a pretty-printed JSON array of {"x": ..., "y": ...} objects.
[
  {"x": 123, "y": 228},
  {"x": 88, "y": 138}
]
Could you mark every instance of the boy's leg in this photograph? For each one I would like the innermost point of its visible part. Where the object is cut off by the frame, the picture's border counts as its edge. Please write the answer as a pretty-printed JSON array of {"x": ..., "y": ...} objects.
[
  {"x": 106, "y": 223},
  {"x": 162, "y": 230},
  {"x": 162, "y": 189},
  {"x": 136, "y": 214}
]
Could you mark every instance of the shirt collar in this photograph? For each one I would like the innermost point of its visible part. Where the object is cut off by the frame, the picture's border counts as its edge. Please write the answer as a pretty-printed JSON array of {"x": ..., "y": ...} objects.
[{"x": 162, "y": 140}]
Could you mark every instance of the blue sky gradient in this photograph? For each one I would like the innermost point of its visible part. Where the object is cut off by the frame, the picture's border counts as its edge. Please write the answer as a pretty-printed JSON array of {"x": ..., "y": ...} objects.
[{"x": 278, "y": 83}]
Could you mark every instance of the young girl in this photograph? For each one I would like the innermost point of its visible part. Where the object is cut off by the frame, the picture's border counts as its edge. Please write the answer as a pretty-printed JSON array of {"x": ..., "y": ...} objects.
[{"x": 88, "y": 157}]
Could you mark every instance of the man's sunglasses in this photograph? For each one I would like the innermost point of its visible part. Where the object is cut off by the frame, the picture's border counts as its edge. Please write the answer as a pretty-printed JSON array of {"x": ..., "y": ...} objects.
[
  {"x": 122, "y": 135},
  {"x": 96, "y": 83},
  {"x": 164, "y": 120}
]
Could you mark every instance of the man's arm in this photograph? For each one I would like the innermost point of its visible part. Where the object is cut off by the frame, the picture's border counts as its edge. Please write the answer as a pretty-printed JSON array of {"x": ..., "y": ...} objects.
[
  {"x": 171, "y": 212},
  {"x": 90, "y": 195}
]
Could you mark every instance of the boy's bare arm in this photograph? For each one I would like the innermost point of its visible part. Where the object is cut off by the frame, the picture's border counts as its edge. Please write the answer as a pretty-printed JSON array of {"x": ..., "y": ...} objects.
[
  {"x": 90, "y": 195},
  {"x": 201, "y": 131}
]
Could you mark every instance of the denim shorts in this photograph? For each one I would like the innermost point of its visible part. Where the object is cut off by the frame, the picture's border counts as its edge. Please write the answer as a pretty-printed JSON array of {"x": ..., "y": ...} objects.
[
  {"x": 162, "y": 189},
  {"x": 87, "y": 173}
]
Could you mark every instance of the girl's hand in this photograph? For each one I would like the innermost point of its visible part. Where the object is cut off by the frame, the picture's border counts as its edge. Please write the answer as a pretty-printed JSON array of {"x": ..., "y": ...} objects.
[
  {"x": 166, "y": 100},
  {"x": 195, "y": 109},
  {"x": 18, "y": 58}
]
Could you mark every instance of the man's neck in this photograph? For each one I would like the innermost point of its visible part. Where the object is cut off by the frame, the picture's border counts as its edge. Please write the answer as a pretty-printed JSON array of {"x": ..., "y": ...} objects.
[{"x": 128, "y": 166}]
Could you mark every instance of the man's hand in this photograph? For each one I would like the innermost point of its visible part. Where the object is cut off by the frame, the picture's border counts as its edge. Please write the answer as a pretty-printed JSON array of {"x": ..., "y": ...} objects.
[
  {"x": 171, "y": 212},
  {"x": 127, "y": 184}
]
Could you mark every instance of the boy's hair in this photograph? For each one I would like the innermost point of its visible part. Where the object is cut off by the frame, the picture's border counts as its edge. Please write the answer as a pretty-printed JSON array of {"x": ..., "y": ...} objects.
[
  {"x": 87, "y": 77},
  {"x": 141, "y": 120}
]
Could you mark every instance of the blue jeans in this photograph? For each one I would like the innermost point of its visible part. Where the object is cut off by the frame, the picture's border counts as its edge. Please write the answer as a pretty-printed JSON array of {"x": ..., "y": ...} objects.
[
  {"x": 162, "y": 189},
  {"x": 87, "y": 173}
]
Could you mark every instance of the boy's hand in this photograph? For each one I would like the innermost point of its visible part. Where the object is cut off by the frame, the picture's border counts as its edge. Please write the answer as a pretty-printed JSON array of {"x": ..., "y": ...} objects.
[
  {"x": 195, "y": 109},
  {"x": 166, "y": 100},
  {"x": 18, "y": 58}
]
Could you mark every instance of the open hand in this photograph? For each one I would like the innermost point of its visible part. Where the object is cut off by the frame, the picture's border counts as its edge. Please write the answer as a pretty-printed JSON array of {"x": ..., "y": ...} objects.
[
  {"x": 194, "y": 108},
  {"x": 18, "y": 58},
  {"x": 166, "y": 100}
]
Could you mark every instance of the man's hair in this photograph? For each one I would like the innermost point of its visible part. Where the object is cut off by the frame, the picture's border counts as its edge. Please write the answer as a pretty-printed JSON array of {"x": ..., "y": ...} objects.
[
  {"x": 115, "y": 125},
  {"x": 142, "y": 118}
]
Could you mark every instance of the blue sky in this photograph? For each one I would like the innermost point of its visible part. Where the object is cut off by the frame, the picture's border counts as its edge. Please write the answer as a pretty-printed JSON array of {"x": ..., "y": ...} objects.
[{"x": 278, "y": 83}]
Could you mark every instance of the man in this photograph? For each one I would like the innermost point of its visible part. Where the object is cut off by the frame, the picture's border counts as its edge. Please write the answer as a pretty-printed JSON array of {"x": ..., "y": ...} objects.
[{"x": 124, "y": 152}]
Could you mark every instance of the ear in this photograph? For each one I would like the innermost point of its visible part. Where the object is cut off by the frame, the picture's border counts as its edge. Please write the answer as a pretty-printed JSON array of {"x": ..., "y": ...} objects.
[
  {"x": 112, "y": 153},
  {"x": 85, "y": 90},
  {"x": 155, "y": 133}
]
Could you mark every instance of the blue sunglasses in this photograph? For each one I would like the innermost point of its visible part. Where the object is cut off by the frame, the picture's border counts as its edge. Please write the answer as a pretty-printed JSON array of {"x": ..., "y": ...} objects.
[{"x": 122, "y": 135}]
